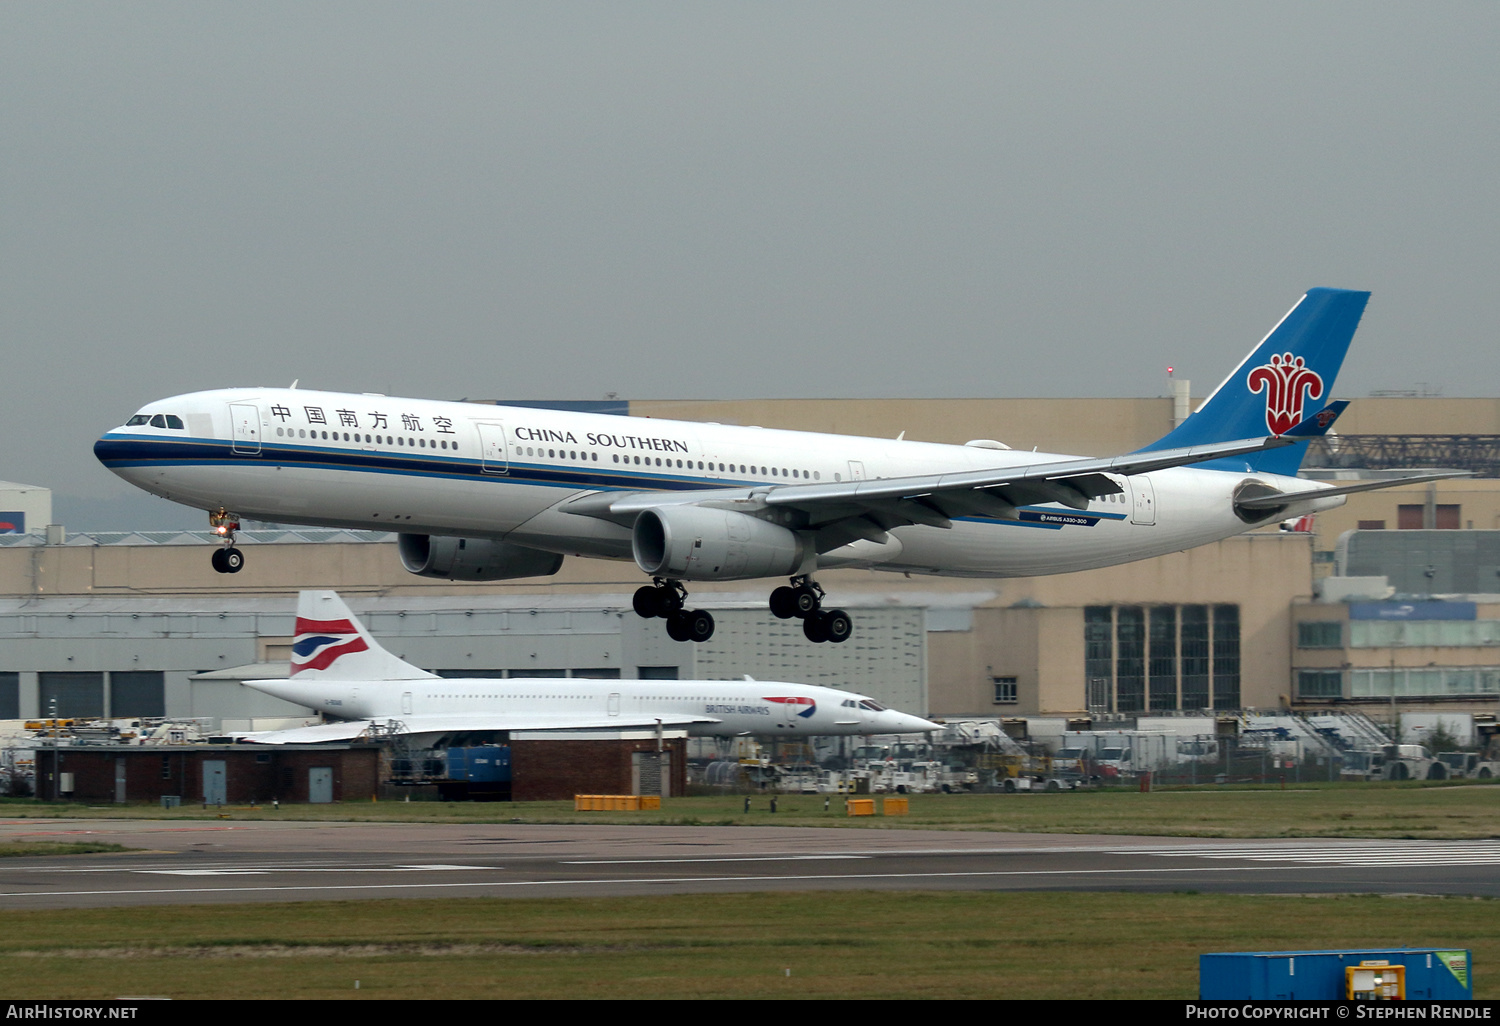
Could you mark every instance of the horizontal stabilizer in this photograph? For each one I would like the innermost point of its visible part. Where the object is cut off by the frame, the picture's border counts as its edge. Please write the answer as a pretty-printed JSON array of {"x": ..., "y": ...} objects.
[{"x": 1287, "y": 498}]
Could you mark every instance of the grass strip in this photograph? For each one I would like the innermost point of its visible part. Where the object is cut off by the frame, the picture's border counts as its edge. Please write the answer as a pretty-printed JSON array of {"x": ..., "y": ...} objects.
[{"x": 1038, "y": 945}]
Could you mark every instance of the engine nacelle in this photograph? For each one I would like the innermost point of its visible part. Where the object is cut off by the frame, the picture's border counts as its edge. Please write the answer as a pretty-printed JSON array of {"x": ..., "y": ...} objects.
[
  {"x": 473, "y": 559},
  {"x": 697, "y": 543}
]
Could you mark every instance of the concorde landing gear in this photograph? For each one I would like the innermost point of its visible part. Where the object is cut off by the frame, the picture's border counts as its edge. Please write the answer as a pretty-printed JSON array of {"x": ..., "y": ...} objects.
[
  {"x": 666, "y": 599},
  {"x": 227, "y": 559},
  {"x": 804, "y": 599}
]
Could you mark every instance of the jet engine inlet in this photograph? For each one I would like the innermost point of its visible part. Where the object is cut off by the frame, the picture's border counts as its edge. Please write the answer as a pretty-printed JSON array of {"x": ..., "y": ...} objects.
[
  {"x": 473, "y": 559},
  {"x": 697, "y": 543}
]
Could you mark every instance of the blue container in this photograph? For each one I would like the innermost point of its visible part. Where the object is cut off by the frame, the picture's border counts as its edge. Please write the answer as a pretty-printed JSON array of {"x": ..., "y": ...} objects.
[
  {"x": 1432, "y": 974},
  {"x": 486, "y": 764}
]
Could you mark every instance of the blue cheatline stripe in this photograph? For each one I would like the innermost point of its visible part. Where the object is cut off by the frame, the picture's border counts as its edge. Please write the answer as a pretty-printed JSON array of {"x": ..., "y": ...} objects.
[
  {"x": 152, "y": 452},
  {"x": 116, "y": 451}
]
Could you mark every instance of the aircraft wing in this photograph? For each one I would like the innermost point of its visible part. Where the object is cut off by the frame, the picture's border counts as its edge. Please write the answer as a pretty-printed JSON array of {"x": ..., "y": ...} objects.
[
  {"x": 349, "y": 730},
  {"x": 842, "y": 511}
]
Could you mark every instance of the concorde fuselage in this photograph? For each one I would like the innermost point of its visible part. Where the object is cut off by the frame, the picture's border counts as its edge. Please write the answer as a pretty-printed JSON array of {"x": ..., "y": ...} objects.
[
  {"x": 475, "y": 470},
  {"x": 730, "y": 708}
]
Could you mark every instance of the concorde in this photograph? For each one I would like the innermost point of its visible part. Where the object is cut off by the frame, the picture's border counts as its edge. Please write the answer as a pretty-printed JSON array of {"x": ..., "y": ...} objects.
[
  {"x": 483, "y": 492},
  {"x": 339, "y": 670}
]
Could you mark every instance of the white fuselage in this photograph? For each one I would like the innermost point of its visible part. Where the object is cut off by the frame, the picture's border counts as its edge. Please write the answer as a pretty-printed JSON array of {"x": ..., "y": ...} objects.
[
  {"x": 481, "y": 471},
  {"x": 736, "y": 707}
]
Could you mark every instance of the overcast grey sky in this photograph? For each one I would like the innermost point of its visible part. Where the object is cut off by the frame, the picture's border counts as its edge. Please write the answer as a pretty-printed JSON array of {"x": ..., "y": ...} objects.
[{"x": 560, "y": 200}]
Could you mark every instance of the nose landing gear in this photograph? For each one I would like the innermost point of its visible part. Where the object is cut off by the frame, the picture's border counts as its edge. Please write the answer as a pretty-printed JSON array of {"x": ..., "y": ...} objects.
[
  {"x": 665, "y": 599},
  {"x": 228, "y": 559},
  {"x": 804, "y": 599}
]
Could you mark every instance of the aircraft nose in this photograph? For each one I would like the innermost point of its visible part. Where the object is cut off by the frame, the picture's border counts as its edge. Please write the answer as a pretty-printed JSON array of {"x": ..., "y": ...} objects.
[
  {"x": 109, "y": 448},
  {"x": 904, "y": 723}
]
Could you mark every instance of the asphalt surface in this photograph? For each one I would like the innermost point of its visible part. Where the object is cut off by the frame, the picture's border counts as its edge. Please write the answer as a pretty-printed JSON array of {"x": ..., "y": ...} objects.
[{"x": 255, "y": 861}]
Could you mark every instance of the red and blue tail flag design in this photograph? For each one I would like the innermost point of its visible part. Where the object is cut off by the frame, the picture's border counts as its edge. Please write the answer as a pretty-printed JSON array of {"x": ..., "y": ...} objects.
[
  {"x": 812, "y": 706},
  {"x": 320, "y": 642},
  {"x": 1283, "y": 383}
]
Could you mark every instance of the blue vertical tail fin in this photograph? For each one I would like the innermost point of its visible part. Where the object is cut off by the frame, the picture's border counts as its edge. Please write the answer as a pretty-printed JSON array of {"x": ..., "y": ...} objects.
[{"x": 1280, "y": 385}]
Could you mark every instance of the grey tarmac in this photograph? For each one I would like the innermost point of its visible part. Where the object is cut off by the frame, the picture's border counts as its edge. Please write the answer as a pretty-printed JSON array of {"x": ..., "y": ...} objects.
[{"x": 256, "y": 861}]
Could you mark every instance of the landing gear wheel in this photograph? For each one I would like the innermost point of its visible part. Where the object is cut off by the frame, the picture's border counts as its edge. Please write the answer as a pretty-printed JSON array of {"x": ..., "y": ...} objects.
[
  {"x": 784, "y": 603},
  {"x": 700, "y": 625},
  {"x": 647, "y": 602},
  {"x": 805, "y": 601},
  {"x": 836, "y": 626},
  {"x": 815, "y": 629},
  {"x": 218, "y": 561},
  {"x": 234, "y": 560},
  {"x": 677, "y": 627}
]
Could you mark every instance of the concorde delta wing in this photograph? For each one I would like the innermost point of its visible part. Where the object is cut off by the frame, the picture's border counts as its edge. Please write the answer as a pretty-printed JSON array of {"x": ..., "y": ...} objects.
[{"x": 348, "y": 730}]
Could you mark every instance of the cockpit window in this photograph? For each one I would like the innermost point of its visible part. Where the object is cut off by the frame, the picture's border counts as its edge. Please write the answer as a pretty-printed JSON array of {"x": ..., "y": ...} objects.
[
  {"x": 160, "y": 420},
  {"x": 871, "y": 705}
]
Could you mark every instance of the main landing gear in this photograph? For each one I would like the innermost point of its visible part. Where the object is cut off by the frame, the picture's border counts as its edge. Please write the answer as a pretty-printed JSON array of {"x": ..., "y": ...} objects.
[
  {"x": 228, "y": 559},
  {"x": 804, "y": 599},
  {"x": 665, "y": 599}
]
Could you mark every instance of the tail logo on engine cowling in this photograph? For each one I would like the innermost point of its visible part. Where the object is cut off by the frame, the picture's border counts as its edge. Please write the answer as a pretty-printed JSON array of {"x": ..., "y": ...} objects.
[
  {"x": 1287, "y": 382},
  {"x": 320, "y": 642}
]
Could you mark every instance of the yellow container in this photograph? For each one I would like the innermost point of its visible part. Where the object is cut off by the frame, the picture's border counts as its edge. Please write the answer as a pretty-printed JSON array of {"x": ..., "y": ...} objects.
[
  {"x": 859, "y": 806},
  {"x": 896, "y": 806},
  {"x": 614, "y": 802}
]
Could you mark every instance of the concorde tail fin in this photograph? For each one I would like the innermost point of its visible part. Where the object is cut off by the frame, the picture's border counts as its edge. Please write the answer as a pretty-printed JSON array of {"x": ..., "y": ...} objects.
[{"x": 331, "y": 644}]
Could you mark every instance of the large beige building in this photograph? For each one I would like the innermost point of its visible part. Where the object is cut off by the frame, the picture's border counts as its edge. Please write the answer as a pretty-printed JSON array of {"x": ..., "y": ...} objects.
[{"x": 1215, "y": 627}]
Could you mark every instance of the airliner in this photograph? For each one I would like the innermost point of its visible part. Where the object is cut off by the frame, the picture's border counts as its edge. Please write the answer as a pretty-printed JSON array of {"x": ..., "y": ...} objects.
[
  {"x": 483, "y": 492},
  {"x": 338, "y": 669}
]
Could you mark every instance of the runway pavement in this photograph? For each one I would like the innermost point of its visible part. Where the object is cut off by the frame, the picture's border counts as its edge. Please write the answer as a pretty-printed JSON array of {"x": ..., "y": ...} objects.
[{"x": 253, "y": 861}]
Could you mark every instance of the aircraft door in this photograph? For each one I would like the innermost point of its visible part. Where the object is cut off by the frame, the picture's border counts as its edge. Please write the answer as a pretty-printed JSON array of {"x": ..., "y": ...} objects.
[
  {"x": 1143, "y": 500},
  {"x": 244, "y": 432},
  {"x": 492, "y": 455},
  {"x": 856, "y": 470},
  {"x": 614, "y": 703}
]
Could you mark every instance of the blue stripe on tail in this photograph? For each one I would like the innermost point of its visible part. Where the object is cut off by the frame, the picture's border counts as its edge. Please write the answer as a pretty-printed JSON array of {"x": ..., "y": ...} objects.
[{"x": 1284, "y": 380}]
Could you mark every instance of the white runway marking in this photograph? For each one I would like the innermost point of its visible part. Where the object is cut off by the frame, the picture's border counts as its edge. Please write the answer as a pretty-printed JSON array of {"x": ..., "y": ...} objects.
[
  {"x": 722, "y": 858},
  {"x": 1374, "y": 854},
  {"x": 303, "y": 869},
  {"x": 642, "y": 880}
]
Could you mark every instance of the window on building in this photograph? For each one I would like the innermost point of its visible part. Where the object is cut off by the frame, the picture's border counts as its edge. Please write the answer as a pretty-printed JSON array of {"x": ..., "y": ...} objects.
[
  {"x": 1412, "y": 517},
  {"x": 1099, "y": 656},
  {"x": 1320, "y": 684},
  {"x": 1320, "y": 634},
  {"x": 1162, "y": 663},
  {"x": 1372, "y": 525},
  {"x": 1226, "y": 658},
  {"x": 1006, "y": 692},
  {"x": 657, "y": 672},
  {"x": 1130, "y": 662},
  {"x": 1195, "y": 667}
]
